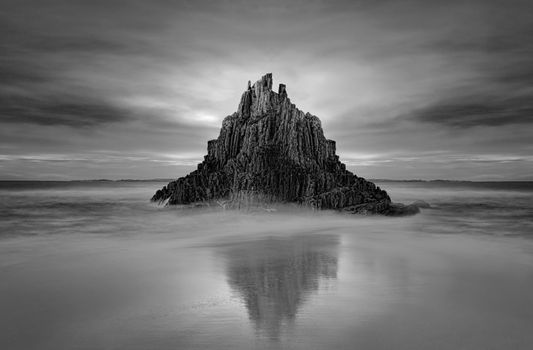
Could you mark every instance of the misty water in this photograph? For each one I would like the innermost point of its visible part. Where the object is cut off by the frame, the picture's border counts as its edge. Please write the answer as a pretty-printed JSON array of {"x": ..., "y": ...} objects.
[{"x": 94, "y": 265}]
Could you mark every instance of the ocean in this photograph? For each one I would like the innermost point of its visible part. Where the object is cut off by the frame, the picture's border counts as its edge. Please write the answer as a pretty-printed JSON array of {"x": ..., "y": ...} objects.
[{"x": 95, "y": 265}]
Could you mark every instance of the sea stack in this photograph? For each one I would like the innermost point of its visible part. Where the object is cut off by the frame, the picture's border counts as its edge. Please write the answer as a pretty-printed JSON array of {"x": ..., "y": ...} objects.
[{"x": 269, "y": 152}]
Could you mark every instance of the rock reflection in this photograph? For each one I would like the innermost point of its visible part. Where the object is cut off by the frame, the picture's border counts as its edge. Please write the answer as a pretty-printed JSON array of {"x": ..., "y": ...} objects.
[{"x": 274, "y": 276}]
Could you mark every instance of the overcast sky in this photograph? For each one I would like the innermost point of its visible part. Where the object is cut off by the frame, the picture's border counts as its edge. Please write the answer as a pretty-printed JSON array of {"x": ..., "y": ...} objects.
[{"x": 134, "y": 89}]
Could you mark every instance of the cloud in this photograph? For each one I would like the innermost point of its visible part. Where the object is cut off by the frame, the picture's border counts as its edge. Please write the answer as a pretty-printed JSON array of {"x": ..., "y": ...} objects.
[
  {"x": 73, "y": 112},
  {"x": 473, "y": 112}
]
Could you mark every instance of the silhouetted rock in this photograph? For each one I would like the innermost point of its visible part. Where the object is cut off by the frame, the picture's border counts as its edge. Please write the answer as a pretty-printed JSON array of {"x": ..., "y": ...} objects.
[
  {"x": 421, "y": 204},
  {"x": 269, "y": 151},
  {"x": 399, "y": 209}
]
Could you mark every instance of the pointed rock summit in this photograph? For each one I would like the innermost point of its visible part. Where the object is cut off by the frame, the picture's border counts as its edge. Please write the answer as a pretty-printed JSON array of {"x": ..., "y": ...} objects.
[{"x": 269, "y": 152}]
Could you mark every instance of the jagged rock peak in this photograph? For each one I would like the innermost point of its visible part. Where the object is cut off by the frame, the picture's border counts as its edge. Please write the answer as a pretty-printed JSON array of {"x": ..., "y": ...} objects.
[
  {"x": 269, "y": 151},
  {"x": 259, "y": 98}
]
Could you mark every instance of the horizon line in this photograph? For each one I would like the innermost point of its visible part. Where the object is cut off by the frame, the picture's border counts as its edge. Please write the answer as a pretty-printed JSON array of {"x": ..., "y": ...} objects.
[{"x": 173, "y": 179}]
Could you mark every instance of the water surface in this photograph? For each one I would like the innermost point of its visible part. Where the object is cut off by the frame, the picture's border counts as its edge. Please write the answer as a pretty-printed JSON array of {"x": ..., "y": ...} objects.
[{"x": 93, "y": 265}]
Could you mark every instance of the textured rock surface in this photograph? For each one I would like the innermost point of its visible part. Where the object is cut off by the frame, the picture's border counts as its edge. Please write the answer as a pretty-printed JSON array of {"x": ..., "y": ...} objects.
[{"x": 270, "y": 151}]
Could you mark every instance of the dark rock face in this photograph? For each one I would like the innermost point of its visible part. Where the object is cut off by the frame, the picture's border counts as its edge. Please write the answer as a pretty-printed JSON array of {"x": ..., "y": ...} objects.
[{"x": 270, "y": 151}]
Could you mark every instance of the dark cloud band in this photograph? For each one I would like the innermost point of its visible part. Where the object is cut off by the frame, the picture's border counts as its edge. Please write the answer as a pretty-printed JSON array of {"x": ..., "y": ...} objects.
[
  {"x": 467, "y": 112},
  {"x": 66, "y": 112}
]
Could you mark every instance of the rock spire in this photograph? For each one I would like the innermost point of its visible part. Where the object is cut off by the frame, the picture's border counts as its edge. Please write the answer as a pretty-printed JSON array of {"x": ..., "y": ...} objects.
[{"x": 269, "y": 151}]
